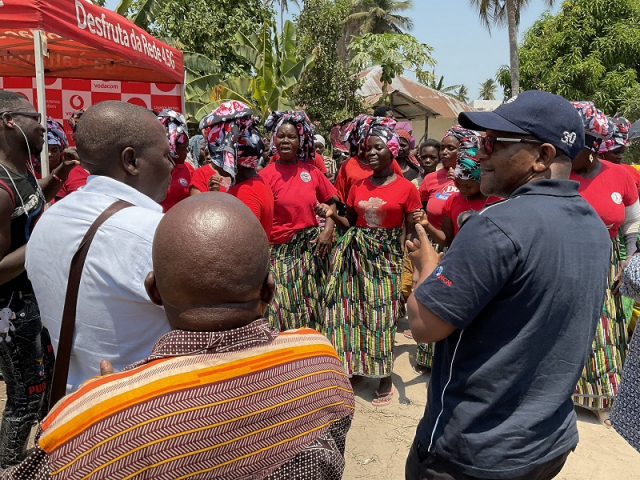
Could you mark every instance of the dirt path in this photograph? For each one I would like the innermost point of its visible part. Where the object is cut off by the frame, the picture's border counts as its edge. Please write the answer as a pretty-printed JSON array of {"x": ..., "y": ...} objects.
[{"x": 379, "y": 439}]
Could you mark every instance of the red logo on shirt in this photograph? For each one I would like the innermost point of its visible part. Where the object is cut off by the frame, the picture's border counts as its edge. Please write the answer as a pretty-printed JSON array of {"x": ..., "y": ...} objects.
[{"x": 444, "y": 280}]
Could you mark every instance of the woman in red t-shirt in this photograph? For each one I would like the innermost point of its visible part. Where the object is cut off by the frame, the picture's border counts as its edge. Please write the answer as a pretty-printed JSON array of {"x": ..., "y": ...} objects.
[
  {"x": 235, "y": 146},
  {"x": 299, "y": 247},
  {"x": 177, "y": 132},
  {"x": 364, "y": 293},
  {"x": 611, "y": 192}
]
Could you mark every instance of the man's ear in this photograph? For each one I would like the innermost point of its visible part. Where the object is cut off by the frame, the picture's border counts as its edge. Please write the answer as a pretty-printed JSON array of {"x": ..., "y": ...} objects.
[
  {"x": 129, "y": 160},
  {"x": 546, "y": 156},
  {"x": 267, "y": 292},
  {"x": 7, "y": 120},
  {"x": 152, "y": 288}
]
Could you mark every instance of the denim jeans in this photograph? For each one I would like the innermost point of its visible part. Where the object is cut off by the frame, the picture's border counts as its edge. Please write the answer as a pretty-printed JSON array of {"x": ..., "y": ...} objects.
[{"x": 26, "y": 363}]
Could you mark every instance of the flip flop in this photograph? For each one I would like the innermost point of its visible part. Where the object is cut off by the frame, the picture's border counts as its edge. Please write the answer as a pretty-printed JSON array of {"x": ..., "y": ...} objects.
[
  {"x": 386, "y": 398},
  {"x": 408, "y": 334},
  {"x": 603, "y": 416}
]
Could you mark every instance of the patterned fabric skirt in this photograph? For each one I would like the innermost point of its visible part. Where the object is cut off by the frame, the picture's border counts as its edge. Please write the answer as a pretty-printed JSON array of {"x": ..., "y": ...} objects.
[
  {"x": 626, "y": 410},
  {"x": 299, "y": 275},
  {"x": 601, "y": 375},
  {"x": 364, "y": 298}
]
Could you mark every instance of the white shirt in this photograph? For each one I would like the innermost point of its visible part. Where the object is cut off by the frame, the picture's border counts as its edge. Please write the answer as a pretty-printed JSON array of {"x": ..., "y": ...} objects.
[{"x": 115, "y": 318}]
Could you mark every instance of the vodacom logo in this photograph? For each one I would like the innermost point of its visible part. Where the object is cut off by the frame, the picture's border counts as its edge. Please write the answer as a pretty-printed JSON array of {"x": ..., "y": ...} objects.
[{"x": 77, "y": 102}]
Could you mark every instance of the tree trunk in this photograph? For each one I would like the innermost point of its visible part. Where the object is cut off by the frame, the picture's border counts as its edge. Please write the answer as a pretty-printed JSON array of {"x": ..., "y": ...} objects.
[{"x": 513, "y": 47}]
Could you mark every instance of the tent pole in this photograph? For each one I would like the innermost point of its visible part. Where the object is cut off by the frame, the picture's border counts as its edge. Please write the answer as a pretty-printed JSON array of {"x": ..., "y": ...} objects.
[
  {"x": 42, "y": 99},
  {"x": 182, "y": 94}
]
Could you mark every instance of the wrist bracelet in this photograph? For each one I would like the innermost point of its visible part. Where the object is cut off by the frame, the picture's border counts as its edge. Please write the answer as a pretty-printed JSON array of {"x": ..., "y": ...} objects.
[{"x": 57, "y": 178}]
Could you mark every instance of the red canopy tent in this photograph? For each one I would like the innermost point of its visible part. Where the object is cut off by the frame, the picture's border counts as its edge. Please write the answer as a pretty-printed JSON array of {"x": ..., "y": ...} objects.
[{"x": 76, "y": 39}]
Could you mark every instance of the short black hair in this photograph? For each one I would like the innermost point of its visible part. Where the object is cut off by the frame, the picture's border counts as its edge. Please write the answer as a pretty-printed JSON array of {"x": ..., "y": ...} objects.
[
  {"x": 381, "y": 110},
  {"x": 430, "y": 142},
  {"x": 10, "y": 100},
  {"x": 109, "y": 127}
]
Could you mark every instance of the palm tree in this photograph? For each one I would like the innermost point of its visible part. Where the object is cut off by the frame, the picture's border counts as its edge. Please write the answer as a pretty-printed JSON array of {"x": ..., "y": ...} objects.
[
  {"x": 488, "y": 89},
  {"x": 380, "y": 16},
  {"x": 284, "y": 7},
  {"x": 506, "y": 12},
  {"x": 462, "y": 94},
  {"x": 439, "y": 86}
]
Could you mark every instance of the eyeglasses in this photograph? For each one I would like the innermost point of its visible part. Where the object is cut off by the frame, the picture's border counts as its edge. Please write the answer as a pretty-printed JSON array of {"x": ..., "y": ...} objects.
[
  {"x": 35, "y": 115},
  {"x": 489, "y": 142}
]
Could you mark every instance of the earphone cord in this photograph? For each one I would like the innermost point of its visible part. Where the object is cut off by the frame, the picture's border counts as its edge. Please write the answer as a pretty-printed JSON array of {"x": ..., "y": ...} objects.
[{"x": 30, "y": 165}]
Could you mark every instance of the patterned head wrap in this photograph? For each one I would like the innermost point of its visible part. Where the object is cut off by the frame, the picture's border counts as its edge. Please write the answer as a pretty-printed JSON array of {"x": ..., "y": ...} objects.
[
  {"x": 232, "y": 137},
  {"x": 176, "y": 127},
  {"x": 467, "y": 138},
  {"x": 596, "y": 125},
  {"x": 467, "y": 165},
  {"x": 195, "y": 143},
  {"x": 356, "y": 131},
  {"x": 55, "y": 134},
  {"x": 411, "y": 159},
  {"x": 618, "y": 134},
  {"x": 306, "y": 131},
  {"x": 73, "y": 119},
  {"x": 382, "y": 127},
  {"x": 631, "y": 279}
]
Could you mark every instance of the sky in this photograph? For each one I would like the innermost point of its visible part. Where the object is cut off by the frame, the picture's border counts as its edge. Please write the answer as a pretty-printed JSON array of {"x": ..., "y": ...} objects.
[{"x": 464, "y": 50}]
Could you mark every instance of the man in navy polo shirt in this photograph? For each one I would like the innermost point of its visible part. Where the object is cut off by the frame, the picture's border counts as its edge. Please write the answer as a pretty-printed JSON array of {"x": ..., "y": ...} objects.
[{"x": 512, "y": 305}]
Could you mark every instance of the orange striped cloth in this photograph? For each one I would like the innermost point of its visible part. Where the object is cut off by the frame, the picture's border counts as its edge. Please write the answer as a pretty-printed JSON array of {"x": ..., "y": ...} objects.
[{"x": 235, "y": 404}]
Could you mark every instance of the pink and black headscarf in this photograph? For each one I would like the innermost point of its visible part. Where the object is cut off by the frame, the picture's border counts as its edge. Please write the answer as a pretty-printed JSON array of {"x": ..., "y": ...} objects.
[
  {"x": 597, "y": 126},
  {"x": 232, "y": 137},
  {"x": 618, "y": 135},
  {"x": 365, "y": 126},
  {"x": 55, "y": 134},
  {"x": 176, "y": 126},
  {"x": 467, "y": 138},
  {"x": 304, "y": 127}
]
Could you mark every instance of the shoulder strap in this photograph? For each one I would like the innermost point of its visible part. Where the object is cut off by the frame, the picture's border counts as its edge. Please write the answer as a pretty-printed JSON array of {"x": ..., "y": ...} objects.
[
  {"x": 6, "y": 187},
  {"x": 67, "y": 326}
]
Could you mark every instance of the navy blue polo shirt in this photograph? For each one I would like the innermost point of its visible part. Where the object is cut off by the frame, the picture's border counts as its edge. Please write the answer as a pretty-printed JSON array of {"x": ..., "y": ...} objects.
[{"x": 524, "y": 284}]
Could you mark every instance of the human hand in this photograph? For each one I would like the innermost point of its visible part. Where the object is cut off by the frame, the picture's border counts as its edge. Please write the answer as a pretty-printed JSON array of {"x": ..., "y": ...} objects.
[
  {"x": 63, "y": 169},
  {"x": 106, "y": 368},
  {"x": 323, "y": 210},
  {"x": 71, "y": 154},
  {"x": 617, "y": 281},
  {"x": 422, "y": 254},
  {"x": 324, "y": 243},
  {"x": 420, "y": 218},
  {"x": 215, "y": 182}
]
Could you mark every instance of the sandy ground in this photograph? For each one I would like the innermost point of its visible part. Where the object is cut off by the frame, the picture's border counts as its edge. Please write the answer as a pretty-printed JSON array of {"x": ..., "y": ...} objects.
[{"x": 380, "y": 438}]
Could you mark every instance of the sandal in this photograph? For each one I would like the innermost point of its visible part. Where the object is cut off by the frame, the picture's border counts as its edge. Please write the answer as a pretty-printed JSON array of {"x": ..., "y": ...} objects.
[
  {"x": 603, "y": 416},
  {"x": 383, "y": 399},
  {"x": 408, "y": 334}
]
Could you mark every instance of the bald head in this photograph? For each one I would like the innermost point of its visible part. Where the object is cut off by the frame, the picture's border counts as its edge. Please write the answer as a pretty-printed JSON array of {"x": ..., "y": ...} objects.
[{"x": 210, "y": 263}]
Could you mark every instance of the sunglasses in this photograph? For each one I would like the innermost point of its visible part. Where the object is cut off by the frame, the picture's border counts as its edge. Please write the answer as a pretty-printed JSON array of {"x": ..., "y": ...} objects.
[
  {"x": 489, "y": 142},
  {"x": 35, "y": 115}
]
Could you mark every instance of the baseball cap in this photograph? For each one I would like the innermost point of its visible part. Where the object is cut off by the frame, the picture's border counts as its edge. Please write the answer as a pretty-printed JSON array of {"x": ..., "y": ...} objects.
[{"x": 549, "y": 118}]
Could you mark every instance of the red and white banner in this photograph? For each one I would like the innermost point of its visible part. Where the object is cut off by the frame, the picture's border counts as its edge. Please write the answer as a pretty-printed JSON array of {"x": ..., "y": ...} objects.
[{"x": 66, "y": 95}]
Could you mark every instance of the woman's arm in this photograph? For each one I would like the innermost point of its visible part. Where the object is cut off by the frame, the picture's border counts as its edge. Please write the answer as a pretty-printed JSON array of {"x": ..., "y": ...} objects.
[{"x": 449, "y": 231}]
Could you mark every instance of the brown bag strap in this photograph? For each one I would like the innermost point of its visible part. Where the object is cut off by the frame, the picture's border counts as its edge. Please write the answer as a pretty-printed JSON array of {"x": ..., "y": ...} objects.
[{"x": 63, "y": 355}]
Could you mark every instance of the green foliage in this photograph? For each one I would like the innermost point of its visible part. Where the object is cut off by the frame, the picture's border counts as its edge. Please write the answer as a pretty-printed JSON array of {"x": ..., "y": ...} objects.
[
  {"x": 327, "y": 91},
  {"x": 588, "y": 51},
  {"x": 630, "y": 109},
  {"x": 395, "y": 53},
  {"x": 488, "y": 89},
  {"x": 503, "y": 77},
  {"x": 380, "y": 16},
  {"x": 276, "y": 71},
  {"x": 439, "y": 85},
  {"x": 100, "y": 3},
  {"x": 201, "y": 26},
  {"x": 462, "y": 94}
]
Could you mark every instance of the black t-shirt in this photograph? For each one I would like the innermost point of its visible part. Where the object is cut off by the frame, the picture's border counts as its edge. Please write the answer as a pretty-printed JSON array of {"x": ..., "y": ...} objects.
[
  {"x": 29, "y": 204},
  {"x": 524, "y": 283}
]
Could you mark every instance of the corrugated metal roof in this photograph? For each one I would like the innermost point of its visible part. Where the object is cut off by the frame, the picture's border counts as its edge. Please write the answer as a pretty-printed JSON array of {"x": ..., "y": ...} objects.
[{"x": 410, "y": 100}]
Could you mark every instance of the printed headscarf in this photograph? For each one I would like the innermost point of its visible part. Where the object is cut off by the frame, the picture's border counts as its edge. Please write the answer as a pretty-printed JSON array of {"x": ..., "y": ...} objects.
[
  {"x": 304, "y": 127},
  {"x": 618, "y": 134},
  {"x": 73, "y": 119},
  {"x": 232, "y": 137},
  {"x": 595, "y": 122},
  {"x": 467, "y": 138},
  {"x": 55, "y": 134},
  {"x": 411, "y": 159},
  {"x": 176, "y": 126},
  {"x": 382, "y": 127},
  {"x": 195, "y": 143},
  {"x": 356, "y": 131},
  {"x": 467, "y": 164}
]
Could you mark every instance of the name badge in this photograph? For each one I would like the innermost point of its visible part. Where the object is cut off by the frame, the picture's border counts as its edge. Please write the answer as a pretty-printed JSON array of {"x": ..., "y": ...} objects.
[{"x": 305, "y": 177}]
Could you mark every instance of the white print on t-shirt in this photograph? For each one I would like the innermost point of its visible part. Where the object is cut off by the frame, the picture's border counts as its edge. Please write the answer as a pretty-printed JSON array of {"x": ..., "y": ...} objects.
[
  {"x": 616, "y": 197},
  {"x": 372, "y": 213},
  {"x": 305, "y": 177},
  {"x": 183, "y": 182}
]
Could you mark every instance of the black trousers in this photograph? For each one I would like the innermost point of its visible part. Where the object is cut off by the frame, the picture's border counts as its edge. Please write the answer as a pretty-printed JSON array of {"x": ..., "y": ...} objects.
[
  {"x": 26, "y": 363},
  {"x": 421, "y": 465}
]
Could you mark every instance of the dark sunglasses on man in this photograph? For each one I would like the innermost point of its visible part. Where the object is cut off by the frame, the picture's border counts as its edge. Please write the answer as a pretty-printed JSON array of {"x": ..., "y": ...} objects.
[{"x": 489, "y": 142}]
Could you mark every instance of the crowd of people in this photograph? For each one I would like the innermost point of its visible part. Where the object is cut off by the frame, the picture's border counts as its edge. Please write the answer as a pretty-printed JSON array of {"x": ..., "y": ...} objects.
[{"x": 234, "y": 320}]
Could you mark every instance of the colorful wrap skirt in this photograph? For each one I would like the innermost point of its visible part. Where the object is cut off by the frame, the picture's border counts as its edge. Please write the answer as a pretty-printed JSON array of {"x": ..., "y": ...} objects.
[
  {"x": 600, "y": 378},
  {"x": 299, "y": 276},
  {"x": 363, "y": 299}
]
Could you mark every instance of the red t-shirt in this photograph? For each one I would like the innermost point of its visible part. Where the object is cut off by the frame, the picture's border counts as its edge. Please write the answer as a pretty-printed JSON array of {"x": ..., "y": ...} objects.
[
  {"x": 383, "y": 206},
  {"x": 436, "y": 189},
  {"x": 318, "y": 162},
  {"x": 352, "y": 170},
  {"x": 256, "y": 195},
  {"x": 608, "y": 193},
  {"x": 296, "y": 190},
  {"x": 179, "y": 187},
  {"x": 200, "y": 179},
  {"x": 457, "y": 204},
  {"x": 77, "y": 178}
]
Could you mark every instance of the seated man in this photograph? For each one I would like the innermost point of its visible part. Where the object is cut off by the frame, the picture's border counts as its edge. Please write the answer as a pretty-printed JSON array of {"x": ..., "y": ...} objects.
[{"x": 223, "y": 395}]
